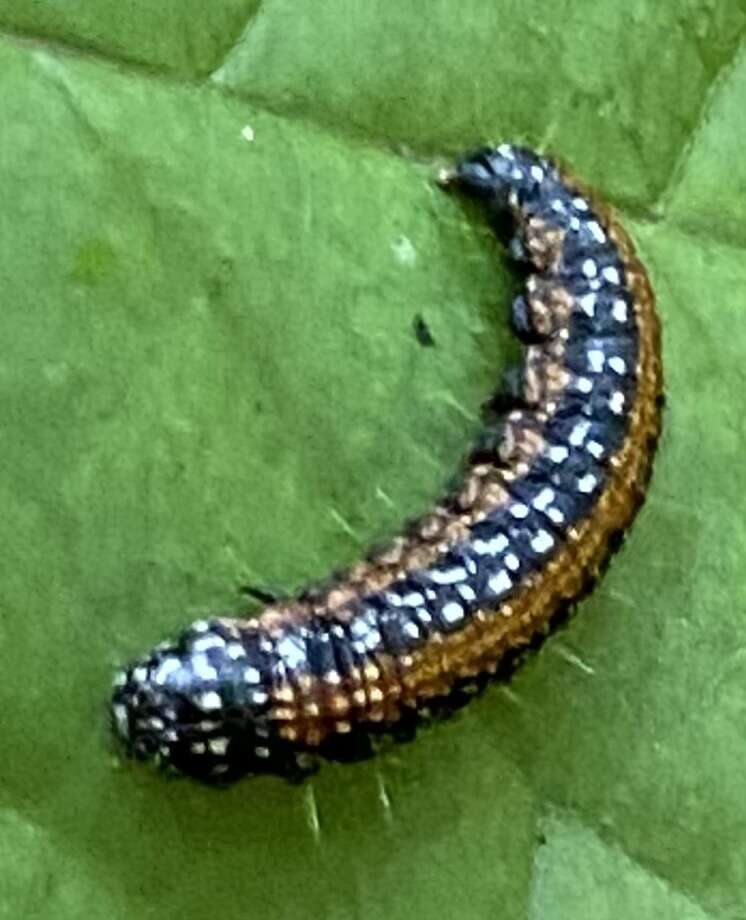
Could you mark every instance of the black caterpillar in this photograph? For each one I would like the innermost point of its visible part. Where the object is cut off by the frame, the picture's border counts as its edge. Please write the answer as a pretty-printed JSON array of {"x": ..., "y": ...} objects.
[{"x": 539, "y": 514}]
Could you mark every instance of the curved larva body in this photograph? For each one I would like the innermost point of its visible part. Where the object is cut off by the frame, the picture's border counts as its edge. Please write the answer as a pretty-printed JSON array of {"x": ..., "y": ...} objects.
[{"x": 486, "y": 571}]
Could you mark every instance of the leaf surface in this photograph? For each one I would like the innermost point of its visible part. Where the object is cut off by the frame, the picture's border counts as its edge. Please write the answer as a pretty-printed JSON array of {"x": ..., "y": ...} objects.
[{"x": 219, "y": 236}]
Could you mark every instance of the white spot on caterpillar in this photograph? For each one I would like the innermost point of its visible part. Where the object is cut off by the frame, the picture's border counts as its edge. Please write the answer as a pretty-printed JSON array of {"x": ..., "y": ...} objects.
[
  {"x": 611, "y": 274},
  {"x": 209, "y": 701},
  {"x": 544, "y": 499},
  {"x": 500, "y": 583},
  {"x": 359, "y": 628},
  {"x": 218, "y": 746},
  {"x": 519, "y": 511},
  {"x": 596, "y": 231},
  {"x": 202, "y": 667},
  {"x": 448, "y": 576},
  {"x": 490, "y": 547},
  {"x": 579, "y": 433},
  {"x": 466, "y": 592},
  {"x": 596, "y": 360},
  {"x": 588, "y": 304},
  {"x": 413, "y": 599},
  {"x": 542, "y": 542},
  {"x": 513, "y": 562},
  {"x": 252, "y": 676},
  {"x": 373, "y": 640},
  {"x": 617, "y": 364},
  {"x": 587, "y": 483},
  {"x": 201, "y": 645},
  {"x": 616, "y": 402},
  {"x": 167, "y": 667},
  {"x": 452, "y": 612},
  {"x": 589, "y": 268},
  {"x": 619, "y": 311},
  {"x": 558, "y": 453},
  {"x": 292, "y": 652}
]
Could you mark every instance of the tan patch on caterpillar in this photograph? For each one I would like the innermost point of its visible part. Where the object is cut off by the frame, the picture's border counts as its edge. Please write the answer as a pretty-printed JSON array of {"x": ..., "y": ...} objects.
[
  {"x": 551, "y": 304},
  {"x": 543, "y": 242}
]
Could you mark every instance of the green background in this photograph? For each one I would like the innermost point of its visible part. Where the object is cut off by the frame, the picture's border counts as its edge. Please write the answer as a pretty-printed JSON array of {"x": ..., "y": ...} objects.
[{"x": 209, "y": 377}]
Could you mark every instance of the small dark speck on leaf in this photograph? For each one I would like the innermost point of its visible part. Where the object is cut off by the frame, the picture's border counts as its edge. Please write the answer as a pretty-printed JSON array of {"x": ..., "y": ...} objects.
[
  {"x": 422, "y": 332},
  {"x": 262, "y": 594},
  {"x": 220, "y": 279}
]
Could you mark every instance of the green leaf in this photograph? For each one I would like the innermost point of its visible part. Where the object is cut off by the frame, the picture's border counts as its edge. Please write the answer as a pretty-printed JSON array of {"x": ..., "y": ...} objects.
[
  {"x": 219, "y": 230},
  {"x": 188, "y": 38},
  {"x": 577, "y": 874}
]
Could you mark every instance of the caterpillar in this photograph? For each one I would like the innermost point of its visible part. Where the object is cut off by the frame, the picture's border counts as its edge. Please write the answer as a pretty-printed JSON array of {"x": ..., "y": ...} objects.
[{"x": 542, "y": 506}]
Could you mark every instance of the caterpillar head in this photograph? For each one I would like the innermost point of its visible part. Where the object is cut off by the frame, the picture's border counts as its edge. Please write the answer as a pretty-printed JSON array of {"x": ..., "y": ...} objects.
[
  {"x": 197, "y": 706},
  {"x": 492, "y": 173}
]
